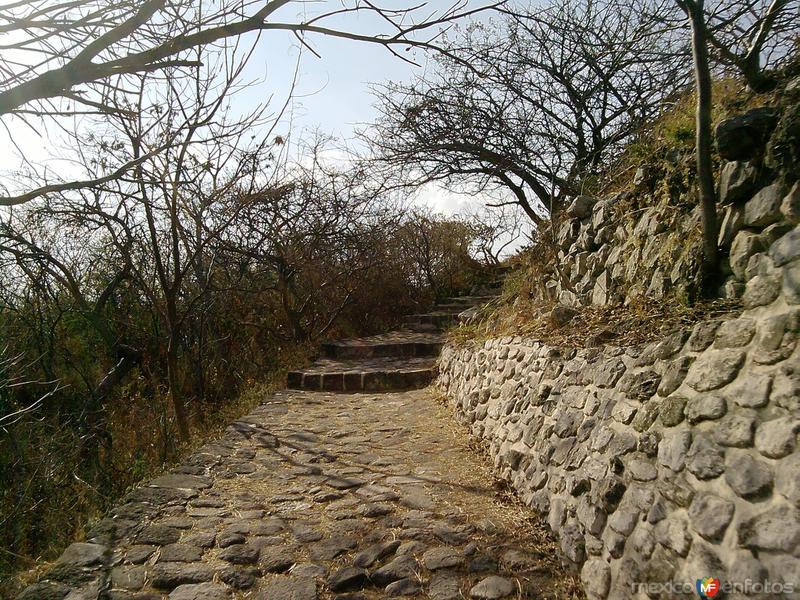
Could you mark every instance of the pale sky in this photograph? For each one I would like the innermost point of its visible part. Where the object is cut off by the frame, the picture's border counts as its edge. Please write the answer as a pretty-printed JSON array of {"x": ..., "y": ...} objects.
[{"x": 332, "y": 94}]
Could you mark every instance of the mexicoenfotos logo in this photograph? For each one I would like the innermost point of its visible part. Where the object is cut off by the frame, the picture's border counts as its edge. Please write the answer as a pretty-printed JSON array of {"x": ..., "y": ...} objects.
[
  {"x": 708, "y": 587},
  {"x": 711, "y": 587}
]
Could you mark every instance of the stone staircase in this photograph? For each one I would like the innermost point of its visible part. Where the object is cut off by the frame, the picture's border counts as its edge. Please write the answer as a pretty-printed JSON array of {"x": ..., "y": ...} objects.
[{"x": 399, "y": 360}]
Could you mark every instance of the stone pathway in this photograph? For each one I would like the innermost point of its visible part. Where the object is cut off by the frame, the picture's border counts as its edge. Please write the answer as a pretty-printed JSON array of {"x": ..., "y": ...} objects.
[{"x": 319, "y": 496}]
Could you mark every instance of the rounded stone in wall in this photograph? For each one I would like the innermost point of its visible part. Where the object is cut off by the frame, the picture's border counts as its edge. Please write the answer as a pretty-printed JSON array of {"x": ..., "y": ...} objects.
[
  {"x": 776, "y": 529},
  {"x": 787, "y": 479},
  {"x": 624, "y": 520},
  {"x": 791, "y": 282},
  {"x": 736, "y": 430},
  {"x": 641, "y": 385},
  {"x": 672, "y": 533},
  {"x": 776, "y": 438},
  {"x": 787, "y": 248},
  {"x": 645, "y": 416},
  {"x": 749, "y": 477},
  {"x": 596, "y": 578},
  {"x": 648, "y": 443},
  {"x": 674, "y": 375},
  {"x": 705, "y": 459},
  {"x": 714, "y": 369},
  {"x": 750, "y": 391},
  {"x": 702, "y": 560},
  {"x": 761, "y": 290},
  {"x": 710, "y": 516},
  {"x": 640, "y": 468},
  {"x": 671, "y": 410},
  {"x": 705, "y": 408},
  {"x": 673, "y": 449},
  {"x": 572, "y": 543},
  {"x": 735, "y": 333},
  {"x": 702, "y": 335}
]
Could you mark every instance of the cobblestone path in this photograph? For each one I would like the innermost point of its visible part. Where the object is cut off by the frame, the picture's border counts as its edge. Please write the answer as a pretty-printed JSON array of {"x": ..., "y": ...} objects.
[{"x": 319, "y": 495}]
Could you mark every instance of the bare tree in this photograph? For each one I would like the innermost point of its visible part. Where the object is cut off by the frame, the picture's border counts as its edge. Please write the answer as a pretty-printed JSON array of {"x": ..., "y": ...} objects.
[
  {"x": 498, "y": 232},
  {"x": 741, "y": 32},
  {"x": 752, "y": 36},
  {"x": 548, "y": 98},
  {"x": 707, "y": 196},
  {"x": 173, "y": 194},
  {"x": 13, "y": 377},
  {"x": 438, "y": 248},
  {"x": 161, "y": 221},
  {"x": 61, "y": 271},
  {"x": 313, "y": 239},
  {"x": 68, "y": 57}
]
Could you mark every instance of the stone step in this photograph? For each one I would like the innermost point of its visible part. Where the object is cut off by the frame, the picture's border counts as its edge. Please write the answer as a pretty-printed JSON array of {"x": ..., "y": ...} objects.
[
  {"x": 399, "y": 360},
  {"x": 365, "y": 375},
  {"x": 468, "y": 301},
  {"x": 453, "y": 307},
  {"x": 430, "y": 328},
  {"x": 396, "y": 343},
  {"x": 437, "y": 319}
]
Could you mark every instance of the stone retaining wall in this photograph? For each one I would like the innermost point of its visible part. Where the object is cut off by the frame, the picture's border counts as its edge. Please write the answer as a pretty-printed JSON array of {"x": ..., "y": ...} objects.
[
  {"x": 667, "y": 462},
  {"x": 607, "y": 255}
]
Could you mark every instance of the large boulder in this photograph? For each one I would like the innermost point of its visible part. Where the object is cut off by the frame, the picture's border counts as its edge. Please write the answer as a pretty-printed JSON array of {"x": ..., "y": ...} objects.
[
  {"x": 744, "y": 136},
  {"x": 581, "y": 207},
  {"x": 790, "y": 206},
  {"x": 737, "y": 181},
  {"x": 745, "y": 245},
  {"x": 765, "y": 207}
]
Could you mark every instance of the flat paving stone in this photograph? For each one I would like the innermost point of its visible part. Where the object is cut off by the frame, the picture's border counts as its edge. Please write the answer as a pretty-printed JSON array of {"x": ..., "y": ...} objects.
[
  {"x": 288, "y": 588},
  {"x": 158, "y": 535},
  {"x": 166, "y": 576},
  {"x": 368, "y": 556},
  {"x": 442, "y": 558},
  {"x": 240, "y": 554},
  {"x": 128, "y": 578},
  {"x": 83, "y": 555},
  {"x": 201, "y": 539},
  {"x": 240, "y": 579},
  {"x": 138, "y": 554},
  {"x": 230, "y": 538},
  {"x": 403, "y": 587},
  {"x": 181, "y": 481},
  {"x": 492, "y": 588},
  {"x": 200, "y": 591},
  {"x": 180, "y": 553},
  {"x": 445, "y": 586},
  {"x": 276, "y": 559},
  {"x": 344, "y": 483},
  {"x": 348, "y": 578},
  {"x": 401, "y": 567}
]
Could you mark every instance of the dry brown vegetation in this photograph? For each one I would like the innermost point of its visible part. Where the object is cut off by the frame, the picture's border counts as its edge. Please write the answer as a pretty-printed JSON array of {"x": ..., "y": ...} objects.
[{"x": 641, "y": 321}]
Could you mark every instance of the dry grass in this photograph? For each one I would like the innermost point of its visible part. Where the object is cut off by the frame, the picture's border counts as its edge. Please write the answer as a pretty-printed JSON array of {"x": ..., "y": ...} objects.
[
  {"x": 642, "y": 320},
  {"x": 673, "y": 131},
  {"x": 517, "y": 525}
]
